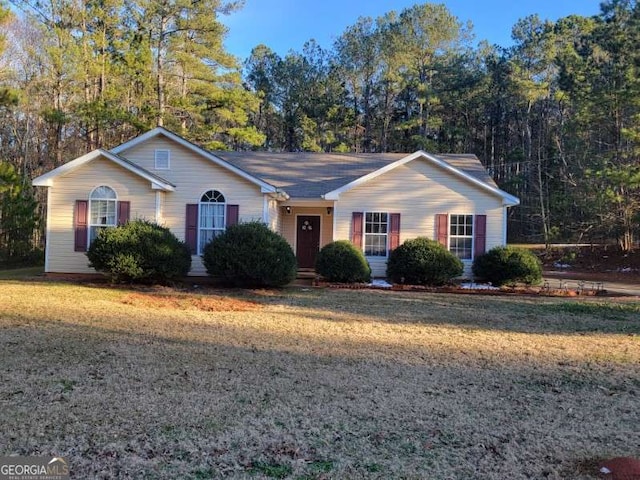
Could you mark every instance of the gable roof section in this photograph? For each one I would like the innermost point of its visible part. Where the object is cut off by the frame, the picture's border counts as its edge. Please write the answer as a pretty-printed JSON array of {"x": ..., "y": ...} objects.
[
  {"x": 299, "y": 175},
  {"x": 308, "y": 175},
  {"x": 157, "y": 183},
  {"x": 265, "y": 187},
  {"x": 326, "y": 175},
  {"x": 474, "y": 175}
]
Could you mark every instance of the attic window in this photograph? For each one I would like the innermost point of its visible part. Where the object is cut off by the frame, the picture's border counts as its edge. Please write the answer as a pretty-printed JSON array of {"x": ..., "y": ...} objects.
[{"x": 162, "y": 159}]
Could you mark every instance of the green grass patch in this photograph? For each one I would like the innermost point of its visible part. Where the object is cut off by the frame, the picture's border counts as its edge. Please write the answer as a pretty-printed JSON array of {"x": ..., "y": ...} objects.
[
  {"x": 612, "y": 311},
  {"x": 321, "y": 466},
  {"x": 271, "y": 470},
  {"x": 20, "y": 273}
]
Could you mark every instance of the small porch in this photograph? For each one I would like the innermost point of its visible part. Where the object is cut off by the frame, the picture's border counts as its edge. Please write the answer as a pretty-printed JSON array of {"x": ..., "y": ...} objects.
[{"x": 307, "y": 226}]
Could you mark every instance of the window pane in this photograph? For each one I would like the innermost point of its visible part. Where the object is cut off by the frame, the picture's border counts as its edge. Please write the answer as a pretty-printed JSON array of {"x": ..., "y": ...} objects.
[
  {"x": 461, "y": 236},
  {"x": 461, "y": 247},
  {"x": 103, "y": 212},
  {"x": 213, "y": 196},
  {"x": 376, "y": 245},
  {"x": 375, "y": 238},
  {"x": 103, "y": 192},
  {"x": 205, "y": 237},
  {"x": 206, "y": 218}
]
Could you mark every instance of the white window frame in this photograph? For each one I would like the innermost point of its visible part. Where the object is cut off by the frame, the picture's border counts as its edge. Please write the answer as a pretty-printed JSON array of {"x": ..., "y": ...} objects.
[
  {"x": 385, "y": 235},
  {"x": 451, "y": 236},
  {"x": 90, "y": 223},
  {"x": 155, "y": 158},
  {"x": 201, "y": 229}
]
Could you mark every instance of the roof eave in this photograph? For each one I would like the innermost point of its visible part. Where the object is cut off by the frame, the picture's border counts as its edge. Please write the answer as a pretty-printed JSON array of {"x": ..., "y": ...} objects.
[
  {"x": 508, "y": 200},
  {"x": 46, "y": 180},
  {"x": 39, "y": 182}
]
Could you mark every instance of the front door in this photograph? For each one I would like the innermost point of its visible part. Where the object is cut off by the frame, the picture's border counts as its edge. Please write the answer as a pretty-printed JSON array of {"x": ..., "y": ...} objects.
[{"x": 307, "y": 240}]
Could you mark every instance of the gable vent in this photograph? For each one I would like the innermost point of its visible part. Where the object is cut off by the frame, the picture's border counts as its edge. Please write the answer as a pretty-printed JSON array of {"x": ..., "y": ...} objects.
[{"x": 162, "y": 158}]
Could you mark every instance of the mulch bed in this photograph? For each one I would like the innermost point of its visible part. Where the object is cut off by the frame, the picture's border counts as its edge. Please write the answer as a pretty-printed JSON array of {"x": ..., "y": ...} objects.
[{"x": 518, "y": 290}]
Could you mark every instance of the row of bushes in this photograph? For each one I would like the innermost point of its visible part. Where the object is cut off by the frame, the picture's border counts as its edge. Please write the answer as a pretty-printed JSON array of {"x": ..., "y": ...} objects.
[
  {"x": 251, "y": 254},
  {"x": 421, "y": 261}
]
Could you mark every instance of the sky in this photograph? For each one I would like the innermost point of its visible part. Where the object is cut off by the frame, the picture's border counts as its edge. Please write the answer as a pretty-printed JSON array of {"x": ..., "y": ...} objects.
[{"x": 285, "y": 25}]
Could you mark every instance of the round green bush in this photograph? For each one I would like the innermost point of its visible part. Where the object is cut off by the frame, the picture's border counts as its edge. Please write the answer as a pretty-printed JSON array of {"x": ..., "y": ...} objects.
[
  {"x": 502, "y": 265},
  {"x": 139, "y": 252},
  {"x": 250, "y": 255},
  {"x": 422, "y": 261},
  {"x": 342, "y": 262}
]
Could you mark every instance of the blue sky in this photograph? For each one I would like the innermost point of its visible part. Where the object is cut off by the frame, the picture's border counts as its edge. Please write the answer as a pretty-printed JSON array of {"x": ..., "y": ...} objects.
[{"x": 286, "y": 24}]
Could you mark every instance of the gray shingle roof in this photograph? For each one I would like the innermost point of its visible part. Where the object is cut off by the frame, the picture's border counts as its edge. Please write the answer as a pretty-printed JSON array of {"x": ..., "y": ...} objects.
[{"x": 311, "y": 175}]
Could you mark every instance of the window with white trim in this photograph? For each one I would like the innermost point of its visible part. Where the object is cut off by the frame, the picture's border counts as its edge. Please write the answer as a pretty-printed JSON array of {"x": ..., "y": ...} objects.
[
  {"x": 376, "y": 227},
  {"x": 211, "y": 214},
  {"x": 102, "y": 210},
  {"x": 461, "y": 236},
  {"x": 162, "y": 159}
]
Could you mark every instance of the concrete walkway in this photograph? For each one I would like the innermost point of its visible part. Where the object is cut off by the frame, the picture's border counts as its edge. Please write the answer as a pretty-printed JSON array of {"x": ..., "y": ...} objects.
[{"x": 572, "y": 280}]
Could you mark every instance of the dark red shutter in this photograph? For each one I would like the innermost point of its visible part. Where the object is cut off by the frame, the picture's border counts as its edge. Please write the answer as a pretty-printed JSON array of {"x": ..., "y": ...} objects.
[
  {"x": 123, "y": 212},
  {"x": 356, "y": 229},
  {"x": 442, "y": 225},
  {"x": 191, "y": 231},
  {"x": 233, "y": 212},
  {"x": 394, "y": 231},
  {"x": 480, "y": 234},
  {"x": 80, "y": 225}
]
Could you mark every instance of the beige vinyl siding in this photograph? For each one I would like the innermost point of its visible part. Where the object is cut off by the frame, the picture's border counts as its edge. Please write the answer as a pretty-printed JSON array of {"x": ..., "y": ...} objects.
[
  {"x": 77, "y": 185},
  {"x": 193, "y": 175},
  {"x": 419, "y": 191},
  {"x": 288, "y": 224}
]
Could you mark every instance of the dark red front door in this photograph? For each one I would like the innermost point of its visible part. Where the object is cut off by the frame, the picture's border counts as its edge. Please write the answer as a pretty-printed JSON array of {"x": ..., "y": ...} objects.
[{"x": 307, "y": 240}]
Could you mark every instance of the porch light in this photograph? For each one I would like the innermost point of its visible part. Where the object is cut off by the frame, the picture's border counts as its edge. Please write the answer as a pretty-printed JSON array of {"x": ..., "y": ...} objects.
[
  {"x": 329, "y": 210},
  {"x": 288, "y": 210}
]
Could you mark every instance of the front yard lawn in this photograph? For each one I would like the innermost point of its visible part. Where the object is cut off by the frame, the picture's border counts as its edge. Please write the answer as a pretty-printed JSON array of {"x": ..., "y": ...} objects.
[{"x": 316, "y": 384}]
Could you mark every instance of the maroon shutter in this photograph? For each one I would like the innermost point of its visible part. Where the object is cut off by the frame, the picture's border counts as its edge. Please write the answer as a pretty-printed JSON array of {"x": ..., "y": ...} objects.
[
  {"x": 442, "y": 224},
  {"x": 480, "y": 235},
  {"x": 123, "y": 212},
  {"x": 394, "y": 231},
  {"x": 232, "y": 214},
  {"x": 356, "y": 229},
  {"x": 80, "y": 225},
  {"x": 191, "y": 232}
]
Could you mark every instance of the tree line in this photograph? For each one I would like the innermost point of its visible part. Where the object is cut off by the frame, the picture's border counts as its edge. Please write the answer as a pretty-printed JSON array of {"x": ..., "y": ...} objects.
[{"x": 555, "y": 117}]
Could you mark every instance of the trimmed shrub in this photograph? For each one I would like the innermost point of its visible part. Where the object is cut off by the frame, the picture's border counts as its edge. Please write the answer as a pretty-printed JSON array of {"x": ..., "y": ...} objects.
[
  {"x": 250, "y": 255},
  {"x": 422, "y": 261},
  {"x": 502, "y": 265},
  {"x": 139, "y": 252},
  {"x": 341, "y": 261}
]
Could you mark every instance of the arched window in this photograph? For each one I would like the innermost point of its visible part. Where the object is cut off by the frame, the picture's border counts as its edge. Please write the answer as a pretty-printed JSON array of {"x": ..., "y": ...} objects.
[
  {"x": 102, "y": 210},
  {"x": 212, "y": 212}
]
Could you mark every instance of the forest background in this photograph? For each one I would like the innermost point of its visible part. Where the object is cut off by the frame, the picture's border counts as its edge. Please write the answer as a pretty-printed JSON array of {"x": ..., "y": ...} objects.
[{"x": 555, "y": 117}]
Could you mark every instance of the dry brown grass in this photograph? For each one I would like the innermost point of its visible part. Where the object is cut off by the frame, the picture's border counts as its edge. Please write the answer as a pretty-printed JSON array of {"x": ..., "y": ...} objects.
[
  {"x": 190, "y": 302},
  {"x": 316, "y": 383}
]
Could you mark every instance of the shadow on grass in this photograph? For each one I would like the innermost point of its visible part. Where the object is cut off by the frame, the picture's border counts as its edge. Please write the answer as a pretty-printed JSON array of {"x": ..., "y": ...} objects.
[
  {"x": 526, "y": 314},
  {"x": 21, "y": 273},
  {"x": 127, "y": 404}
]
